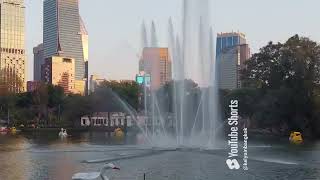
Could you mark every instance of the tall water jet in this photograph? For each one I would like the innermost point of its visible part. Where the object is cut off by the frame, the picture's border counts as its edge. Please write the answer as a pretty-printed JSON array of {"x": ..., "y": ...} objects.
[
  {"x": 194, "y": 90},
  {"x": 154, "y": 39},
  {"x": 214, "y": 95},
  {"x": 172, "y": 46},
  {"x": 198, "y": 62},
  {"x": 178, "y": 60},
  {"x": 195, "y": 15},
  {"x": 144, "y": 36}
]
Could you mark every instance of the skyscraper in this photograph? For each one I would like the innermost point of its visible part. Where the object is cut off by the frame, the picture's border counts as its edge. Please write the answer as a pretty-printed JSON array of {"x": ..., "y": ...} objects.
[
  {"x": 232, "y": 52},
  {"x": 157, "y": 63},
  {"x": 38, "y": 61},
  {"x": 64, "y": 33},
  {"x": 227, "y": 40},
  {"x": 85, "y": 40},
  {"x": 12, "y": 50},
  {"x": 85, "y": 50},
  {"x": 60, "y": 71}
]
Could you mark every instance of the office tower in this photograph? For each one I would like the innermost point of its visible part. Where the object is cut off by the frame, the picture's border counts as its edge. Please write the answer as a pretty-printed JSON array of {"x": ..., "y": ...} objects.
[
  {"x": 12, "y": 50},
  {"x": 226, "y": 40},
  {"x": 79, "y": 86},
  {"x": 228, "y": 68},
  {"x": 64, "y": 33},
  {"x": 157, "y": 63},
  {"x": 232, "y": 52},
  {"x": 38, "y": 61},
  {"x": 244, "y": 55},
  {"x": 60, "y": 71},
  {"x": 85, "y": 50},
  {"x": 84, "y": 40}
]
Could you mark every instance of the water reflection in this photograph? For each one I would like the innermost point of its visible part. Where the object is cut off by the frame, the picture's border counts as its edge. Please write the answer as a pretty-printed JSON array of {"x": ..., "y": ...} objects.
[
  {"x": 42, "y": 156},
  {"x": 15, "y": 161}
]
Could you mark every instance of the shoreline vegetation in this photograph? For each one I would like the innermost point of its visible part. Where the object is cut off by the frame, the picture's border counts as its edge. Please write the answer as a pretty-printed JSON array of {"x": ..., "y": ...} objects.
[
  {"x": 48, "y": 106},
  {"x": 280, "y": 93},
  {"x": 281, "y": 89}
]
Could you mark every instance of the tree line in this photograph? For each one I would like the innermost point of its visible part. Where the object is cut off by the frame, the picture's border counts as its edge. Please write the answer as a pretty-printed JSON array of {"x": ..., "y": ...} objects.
[
  {"x": 50, "y": 106},
  {"x": 280, "y": 92},
  {"x": 281, "y": 89}
]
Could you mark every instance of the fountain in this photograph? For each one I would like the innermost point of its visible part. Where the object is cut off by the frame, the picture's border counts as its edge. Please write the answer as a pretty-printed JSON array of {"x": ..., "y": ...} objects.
[{"x": 193, "y": 121}]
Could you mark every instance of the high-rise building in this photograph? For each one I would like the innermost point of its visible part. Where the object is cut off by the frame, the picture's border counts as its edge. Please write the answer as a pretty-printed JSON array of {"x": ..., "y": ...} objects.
[
  {"x": 85, "y": 40},
  {"x": 60, "y": 71},
  {"x": 12, "y": 44},
  {"x": 38, "y": 61},
  {"x": 232, "y": 52},
  {"x": 79, "y": 86},
  {"x": 157, "y": 63},
  {"x": 85, "y": 47},
  {"x": 227, "y": 40},
  {"x": 64, "y": 33}
]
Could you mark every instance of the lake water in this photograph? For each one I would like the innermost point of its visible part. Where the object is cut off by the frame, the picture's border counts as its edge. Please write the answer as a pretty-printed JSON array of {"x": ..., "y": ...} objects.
[{"x": 46, "y": 157}]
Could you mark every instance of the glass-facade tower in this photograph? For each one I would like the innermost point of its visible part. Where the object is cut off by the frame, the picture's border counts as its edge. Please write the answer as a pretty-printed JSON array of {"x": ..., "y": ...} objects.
[
  {"x": 38, "y": 61},
  {"x": 62, "y": 33},
  {"x": 227, "y": 40},
  {"x": 232, "y": 52},
  {"x": 12, "y": 42}
]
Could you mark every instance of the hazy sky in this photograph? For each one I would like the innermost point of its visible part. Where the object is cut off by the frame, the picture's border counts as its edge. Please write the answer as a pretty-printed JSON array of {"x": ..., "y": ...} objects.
[{"x": 114, "y": 26}]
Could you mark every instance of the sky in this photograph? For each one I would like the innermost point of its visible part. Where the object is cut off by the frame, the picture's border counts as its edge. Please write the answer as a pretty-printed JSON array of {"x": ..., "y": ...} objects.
[{"x": 114, "y": 27}]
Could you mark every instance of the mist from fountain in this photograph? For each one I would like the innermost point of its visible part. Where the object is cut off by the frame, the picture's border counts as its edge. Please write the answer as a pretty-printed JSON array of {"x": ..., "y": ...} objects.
[
  {"x": 194, "y": 120},
  {"x": 154, "y": 39}
]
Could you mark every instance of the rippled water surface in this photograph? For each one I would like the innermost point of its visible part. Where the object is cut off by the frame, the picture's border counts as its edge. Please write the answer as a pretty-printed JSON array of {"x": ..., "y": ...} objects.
[{"x": 45, "y": 156}]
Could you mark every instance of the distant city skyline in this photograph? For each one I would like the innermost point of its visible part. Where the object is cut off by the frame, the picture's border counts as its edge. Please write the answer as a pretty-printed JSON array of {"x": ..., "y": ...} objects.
[
  {"x": 63, "y": 33},
  {"x": 114, "y": 28}
]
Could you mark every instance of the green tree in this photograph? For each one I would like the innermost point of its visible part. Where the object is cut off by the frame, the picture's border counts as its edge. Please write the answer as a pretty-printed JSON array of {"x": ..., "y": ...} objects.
[
  {"x": 76, "y": 106},
  {"x": 288, "y": 76},
  {"x": 247, "y": 101},
  {"x": 166, "y": 94},
  {"x": 264, "y": 69},
  {"x": 126, "y": 90},
  {"x": 40, "y": 103}
]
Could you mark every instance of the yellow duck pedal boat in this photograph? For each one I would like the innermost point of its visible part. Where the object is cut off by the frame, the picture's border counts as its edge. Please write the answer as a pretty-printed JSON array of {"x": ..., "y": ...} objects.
[
  {"x": 119, "y": 133},
  {"x": 296, "y": 138}
]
